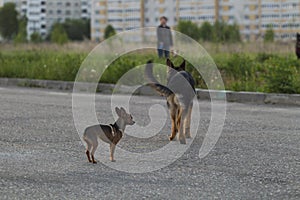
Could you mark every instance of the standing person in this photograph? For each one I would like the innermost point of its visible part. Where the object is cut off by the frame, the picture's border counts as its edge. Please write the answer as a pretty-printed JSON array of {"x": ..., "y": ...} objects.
[{"x": 164, "y": 38}]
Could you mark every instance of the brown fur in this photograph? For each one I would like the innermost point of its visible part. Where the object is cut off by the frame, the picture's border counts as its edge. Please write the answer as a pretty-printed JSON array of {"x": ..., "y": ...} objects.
[
  {"x": 180, "y": 109},
  {"x": 110, "y": 134}
]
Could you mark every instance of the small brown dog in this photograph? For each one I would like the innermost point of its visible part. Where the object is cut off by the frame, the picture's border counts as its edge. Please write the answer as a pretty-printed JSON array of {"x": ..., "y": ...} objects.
[{"x": 110, "y": 134}]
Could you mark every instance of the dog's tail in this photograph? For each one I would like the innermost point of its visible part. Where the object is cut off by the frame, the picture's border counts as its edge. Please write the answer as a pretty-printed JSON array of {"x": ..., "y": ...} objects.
[{"x": 161, "y": 89}]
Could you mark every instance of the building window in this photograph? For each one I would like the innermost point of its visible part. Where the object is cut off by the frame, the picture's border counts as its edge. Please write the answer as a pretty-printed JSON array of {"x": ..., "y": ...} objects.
[
  {"x": 58, "y": 12},
  {"x": 43, "y": 3},
  {"x": 68, "y": 4},
  {"x": 68, "y": 12}
]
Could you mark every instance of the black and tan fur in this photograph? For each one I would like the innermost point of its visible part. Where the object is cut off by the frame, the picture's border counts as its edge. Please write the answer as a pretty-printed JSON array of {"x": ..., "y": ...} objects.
[
  {"x": 110, "y": 134},
  {"x": 179, "y": 92},
  {"x": 298, "y": 46}
]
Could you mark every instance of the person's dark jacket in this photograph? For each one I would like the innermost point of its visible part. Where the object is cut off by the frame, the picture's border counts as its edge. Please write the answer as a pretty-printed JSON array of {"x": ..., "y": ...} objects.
[{"x": 164, "y": 36}]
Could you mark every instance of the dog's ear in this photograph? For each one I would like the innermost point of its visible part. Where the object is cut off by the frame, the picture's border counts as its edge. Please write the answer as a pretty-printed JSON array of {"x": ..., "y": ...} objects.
[
  {"x": 118, "y": 111},
  {"x": 123, "y": 111},
  {"x": 169, "y": 63},
  {"x": 182, "y": 66}
]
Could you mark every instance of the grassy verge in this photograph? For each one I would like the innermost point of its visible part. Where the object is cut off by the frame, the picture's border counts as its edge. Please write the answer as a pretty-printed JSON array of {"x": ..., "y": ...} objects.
[{"x": 255, "y": 71}]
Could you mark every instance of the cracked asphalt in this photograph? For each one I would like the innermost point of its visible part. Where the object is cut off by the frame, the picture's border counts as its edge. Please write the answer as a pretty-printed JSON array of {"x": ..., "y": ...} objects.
[{"x": 42, "y": 157}]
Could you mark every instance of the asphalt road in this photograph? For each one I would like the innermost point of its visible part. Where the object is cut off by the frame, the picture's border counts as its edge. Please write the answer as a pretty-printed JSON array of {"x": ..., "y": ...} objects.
[{"x": 41, "y": 155}]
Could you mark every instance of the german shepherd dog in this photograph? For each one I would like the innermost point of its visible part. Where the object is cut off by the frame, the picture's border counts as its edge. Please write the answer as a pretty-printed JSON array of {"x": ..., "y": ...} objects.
[
  {"x": 298, "y": 46},
  {"x": 110, "y": 134},
  {"x": 179, "y": 93}
]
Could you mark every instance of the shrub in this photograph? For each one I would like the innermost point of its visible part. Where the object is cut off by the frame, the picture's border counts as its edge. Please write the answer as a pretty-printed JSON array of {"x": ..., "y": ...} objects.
[
  {"x": 189, "y": 28},
  {"x": 283, "y": 76},
  {"x": 109, "y": 31},
  {"x": 36, "y": 38},
  {"x": 58, "y": 34},
  {"x": 21, "y": 37},
  {"x": 240, "y": 72},
  {"x": 269, "y": 35}
]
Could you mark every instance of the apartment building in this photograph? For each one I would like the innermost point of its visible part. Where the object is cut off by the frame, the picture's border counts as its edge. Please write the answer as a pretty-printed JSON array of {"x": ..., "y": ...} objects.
[
  {"x": 197, "y": 11},
  {"x": 253, "y": 16},
  {"x": 283, "y": 16},
  {"x": 123, "y": 15},
  {"x": 42, "y": 14},
  {"x": 244, "y": 13},
  {"x": 256, "y": 16},
  {"x": 86, "y": 6}
]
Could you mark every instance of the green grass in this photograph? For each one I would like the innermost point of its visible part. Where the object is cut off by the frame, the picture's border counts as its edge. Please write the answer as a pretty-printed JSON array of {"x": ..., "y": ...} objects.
[{"x": 241, "y": 72}]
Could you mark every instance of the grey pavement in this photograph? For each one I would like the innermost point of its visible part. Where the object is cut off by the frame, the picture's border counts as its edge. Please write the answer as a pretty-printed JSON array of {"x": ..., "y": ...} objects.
[{"x": 42, "y": 157}]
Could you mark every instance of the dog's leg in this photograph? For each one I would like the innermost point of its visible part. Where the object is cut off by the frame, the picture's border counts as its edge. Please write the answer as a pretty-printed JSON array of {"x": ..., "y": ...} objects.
[
  {"x": 187, "y": 124},
  {"x": 95, "y": 145},
  {"x": 88, "y": 150},
  {"x": 174, "y": 129},
  {"x": 178, "y": 119},
  {"x": 112, "y": 151},
  {"x": 181, "y": 136}
]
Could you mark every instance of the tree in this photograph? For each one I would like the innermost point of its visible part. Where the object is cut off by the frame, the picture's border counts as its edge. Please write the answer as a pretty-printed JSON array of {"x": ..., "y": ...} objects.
[
  {"x": 223, "y": 32},
  {"x": 232, "y": 33},
  {"x": 269, "y": 35},
  {"x": 189, "y": 28},
  {"x": 58, "y": 34},
  {"x": 36, "y": 37},
  {"x": 22, "y": 31},
  {"x": 77, "y": 29},
  {"x": 8, "y": 21},
  {"x": 109, "y": 31},
  {"x": 206, "y": 31}
]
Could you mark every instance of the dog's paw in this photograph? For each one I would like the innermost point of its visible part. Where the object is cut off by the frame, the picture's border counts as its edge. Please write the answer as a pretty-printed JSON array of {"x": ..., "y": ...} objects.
[
  {"x": 172, "y": 138},
  {"x": 188, "y": 136},
  {"x": 182, "y": 141},
  {"x": 94, "y": 162},
  {"x": 112, "y": 160}
]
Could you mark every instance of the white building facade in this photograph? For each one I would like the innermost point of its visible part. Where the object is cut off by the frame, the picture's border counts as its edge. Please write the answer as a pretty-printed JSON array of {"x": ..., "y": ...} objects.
[
  {"x": 253, "y": 16},
  {"x": 42, "y": 14}
]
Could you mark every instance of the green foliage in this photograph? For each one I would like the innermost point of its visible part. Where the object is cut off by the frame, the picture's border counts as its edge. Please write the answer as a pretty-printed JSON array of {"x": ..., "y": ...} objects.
[
  {"x": 223, "y": 32},
  {"x": 218, "y": 32},
  {"x": 48, "y": 65},
  {"x": 22, "y": 31},
  {"x": 262, "y": 57},
  {"x": 240, "y": 72},
  {"x": 58, "y": 34},
  {"x": 189, "y": 28},
  {"x": 36, "y": 37},
  {"x": 77, "y": 29},
  {"x": 269, "y": 35},
  {"x": 109, "y": 31},
  {"x": 8, "y": 21},
  {"x": 283, "y": 75},
  {"x": 206, "y": 32}
]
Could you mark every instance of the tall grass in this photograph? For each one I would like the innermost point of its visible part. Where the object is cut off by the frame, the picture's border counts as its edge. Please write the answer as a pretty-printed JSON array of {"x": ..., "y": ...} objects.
[{"x": 252, "y": 71}]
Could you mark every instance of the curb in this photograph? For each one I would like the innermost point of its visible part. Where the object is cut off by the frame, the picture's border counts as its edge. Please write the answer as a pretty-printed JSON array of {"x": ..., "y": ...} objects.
[
  {"x": 239, "y": 97},
  {"x": 251, "y": 97}
]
